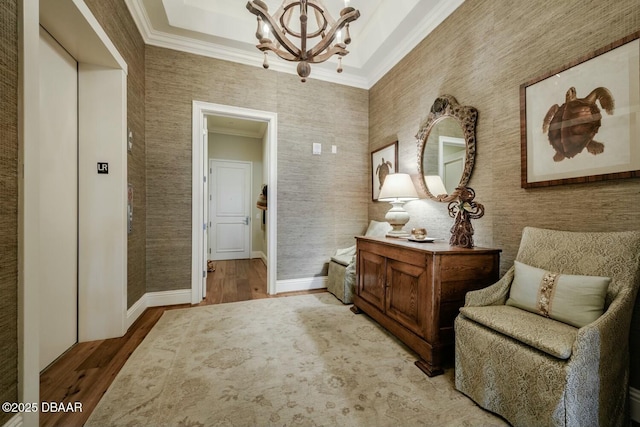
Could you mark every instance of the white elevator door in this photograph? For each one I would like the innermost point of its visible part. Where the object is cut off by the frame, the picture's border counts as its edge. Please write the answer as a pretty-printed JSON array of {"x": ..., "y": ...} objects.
[
  {"x": 58, "y": 200},
  {"x": 230, "y": 210}
]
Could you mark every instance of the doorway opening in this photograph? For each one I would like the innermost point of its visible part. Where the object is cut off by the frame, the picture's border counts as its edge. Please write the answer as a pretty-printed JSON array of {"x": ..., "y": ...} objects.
[{"x": 204, "y": 113}]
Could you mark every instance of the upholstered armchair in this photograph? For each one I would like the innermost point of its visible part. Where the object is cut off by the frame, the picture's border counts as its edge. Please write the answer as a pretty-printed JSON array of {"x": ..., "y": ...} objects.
[
  {"x": 546, "y": 349},
  {"x": 342, "y": 267}
]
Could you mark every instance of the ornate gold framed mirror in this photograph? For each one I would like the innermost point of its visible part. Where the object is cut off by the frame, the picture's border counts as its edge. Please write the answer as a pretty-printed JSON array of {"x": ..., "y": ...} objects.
[{"x": 446, "y": 148}]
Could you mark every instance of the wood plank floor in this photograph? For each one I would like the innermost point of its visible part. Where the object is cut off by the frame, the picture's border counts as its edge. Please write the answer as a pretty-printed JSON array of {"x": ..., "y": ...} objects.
[{"x": 84, "y": 373}]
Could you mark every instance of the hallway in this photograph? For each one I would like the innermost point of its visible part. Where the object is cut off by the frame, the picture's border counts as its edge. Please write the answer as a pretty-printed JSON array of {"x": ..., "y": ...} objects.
[{"x": 236, "y": 280}]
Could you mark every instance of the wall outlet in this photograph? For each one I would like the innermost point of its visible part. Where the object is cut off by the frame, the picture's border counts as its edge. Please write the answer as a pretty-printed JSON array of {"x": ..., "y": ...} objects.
[{"x": 334, "y": 149}]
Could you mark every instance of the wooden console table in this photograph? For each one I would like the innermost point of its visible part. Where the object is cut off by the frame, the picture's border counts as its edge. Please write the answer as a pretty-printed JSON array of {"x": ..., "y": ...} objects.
[{"x": 414, "y": 290}]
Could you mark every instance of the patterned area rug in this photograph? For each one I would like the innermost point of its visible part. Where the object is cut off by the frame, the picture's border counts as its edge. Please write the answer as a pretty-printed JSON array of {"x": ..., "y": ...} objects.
[{"x": 296, "y": 361}]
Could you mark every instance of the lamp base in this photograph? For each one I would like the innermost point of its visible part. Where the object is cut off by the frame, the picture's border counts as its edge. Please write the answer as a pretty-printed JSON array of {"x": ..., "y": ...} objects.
[{"x": 397, "y": 217}]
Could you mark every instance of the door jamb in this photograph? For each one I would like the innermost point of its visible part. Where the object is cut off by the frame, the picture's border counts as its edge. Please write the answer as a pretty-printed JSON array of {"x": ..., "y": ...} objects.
[{"x": 200, "y": 110}]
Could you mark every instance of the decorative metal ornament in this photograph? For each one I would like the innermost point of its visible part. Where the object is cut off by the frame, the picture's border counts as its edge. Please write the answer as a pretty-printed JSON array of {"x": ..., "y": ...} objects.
[
  {"x": 328, "y": 31},
  {"x": 464, "y": 210}
]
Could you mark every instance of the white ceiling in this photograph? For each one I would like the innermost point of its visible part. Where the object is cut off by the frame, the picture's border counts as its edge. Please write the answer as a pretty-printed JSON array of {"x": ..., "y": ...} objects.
[{"x": 385, "y": 32}]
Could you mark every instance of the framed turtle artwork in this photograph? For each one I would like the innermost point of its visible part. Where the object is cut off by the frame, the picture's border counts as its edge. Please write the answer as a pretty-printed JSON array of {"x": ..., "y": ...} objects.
[
  {"x": 383, "y": 162},
  {"x": 581, "y": 123}
]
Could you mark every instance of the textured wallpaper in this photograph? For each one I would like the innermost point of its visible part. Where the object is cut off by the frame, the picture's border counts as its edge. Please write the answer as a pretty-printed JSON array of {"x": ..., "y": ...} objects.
[
  {"x": 9, "y": 204},
  {"x": 481, "y": 55},
  {"x": 322, "y": 200}
]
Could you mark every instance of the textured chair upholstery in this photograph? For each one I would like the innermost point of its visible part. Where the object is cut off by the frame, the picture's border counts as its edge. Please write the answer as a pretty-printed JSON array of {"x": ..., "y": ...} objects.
[
  {"x": 342, "y": 267},
  {"x": 341, "y": 280},
  {"x": 535, "y": 371}
]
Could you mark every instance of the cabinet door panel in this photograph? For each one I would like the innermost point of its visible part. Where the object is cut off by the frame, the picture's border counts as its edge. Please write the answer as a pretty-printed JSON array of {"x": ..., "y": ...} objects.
[
  {"x": 406, "y": 295},
  {"x": 371, "y": 281}
]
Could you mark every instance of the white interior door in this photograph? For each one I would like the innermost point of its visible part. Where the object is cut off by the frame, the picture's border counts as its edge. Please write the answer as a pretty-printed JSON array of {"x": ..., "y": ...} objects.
[
  {"x": 58, "y": 200},
  {"x": 451, "y": 157},
  {"x": 230, "y": 209},
  {"x": 453, "y": 168}
]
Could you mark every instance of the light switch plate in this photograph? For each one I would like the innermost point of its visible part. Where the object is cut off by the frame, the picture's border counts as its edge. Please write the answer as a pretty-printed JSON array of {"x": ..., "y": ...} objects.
[
  {"x": 334, "y": 149},
  {"x": 317, "y": 148}
]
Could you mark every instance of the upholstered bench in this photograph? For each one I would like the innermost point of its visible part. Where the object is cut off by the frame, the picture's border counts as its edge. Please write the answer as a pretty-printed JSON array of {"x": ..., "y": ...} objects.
[{"x": 342, "y": 267}]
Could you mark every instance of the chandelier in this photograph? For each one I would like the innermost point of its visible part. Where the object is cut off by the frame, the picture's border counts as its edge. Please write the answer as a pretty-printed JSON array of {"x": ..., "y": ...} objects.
[{"x": 328, "y": 30}]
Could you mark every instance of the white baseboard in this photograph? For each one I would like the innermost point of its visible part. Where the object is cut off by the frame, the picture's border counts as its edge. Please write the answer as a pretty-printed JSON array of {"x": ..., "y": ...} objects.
[
  {"x": 136, "y": 310},
  {"x": 183, "y": 296},
  {"x": 15, "y": 421},
  {"x": 303, "y": 284},
  {"x": 634, "y": 398},
  {"x": 157, "y": 299}
]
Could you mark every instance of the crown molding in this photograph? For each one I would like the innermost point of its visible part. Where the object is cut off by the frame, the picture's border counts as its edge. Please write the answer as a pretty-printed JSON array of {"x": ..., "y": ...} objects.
[
  {"x": 370, "y": 75},
  {"x": 163, "y": 39},
  {"x": 140, "y": 17},
  {"x": 425, "y": 26}
]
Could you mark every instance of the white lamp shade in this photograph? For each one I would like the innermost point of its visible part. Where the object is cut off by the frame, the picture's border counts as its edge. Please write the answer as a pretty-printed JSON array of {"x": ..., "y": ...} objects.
[
  {"x": 435, "y": 185},
  {"x": 397, "y": 186}
]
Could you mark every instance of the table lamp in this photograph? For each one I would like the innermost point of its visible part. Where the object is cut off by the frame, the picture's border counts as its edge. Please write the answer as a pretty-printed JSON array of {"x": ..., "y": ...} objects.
[{"x": 397, "y": 189}]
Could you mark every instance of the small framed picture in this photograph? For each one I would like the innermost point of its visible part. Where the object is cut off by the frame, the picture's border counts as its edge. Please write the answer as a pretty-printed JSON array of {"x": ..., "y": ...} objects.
[
  {"x": 581, "y": 123},
  {"x": 383, "y": 162}
]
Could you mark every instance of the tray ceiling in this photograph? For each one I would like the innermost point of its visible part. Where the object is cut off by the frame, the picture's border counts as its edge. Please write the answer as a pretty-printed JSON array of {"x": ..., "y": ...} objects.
[{"x": 385, "y": 32}]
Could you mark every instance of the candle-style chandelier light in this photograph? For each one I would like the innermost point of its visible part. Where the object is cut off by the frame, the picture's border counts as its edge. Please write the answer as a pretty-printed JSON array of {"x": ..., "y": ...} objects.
[{"x": 330, "y": 32}]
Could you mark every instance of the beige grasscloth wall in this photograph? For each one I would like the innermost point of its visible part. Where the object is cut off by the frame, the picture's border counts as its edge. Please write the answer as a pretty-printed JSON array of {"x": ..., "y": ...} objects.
[
  {"x": 322, "y": 200},
  {"x": 8, "y": 204},
  {"x": 115, "y": 19},
  {"x": 481, "y": 54}
]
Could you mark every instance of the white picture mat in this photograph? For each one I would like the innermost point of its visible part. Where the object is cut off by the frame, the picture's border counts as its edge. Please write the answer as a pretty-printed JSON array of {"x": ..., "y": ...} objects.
[
  {"x": 386, "y": 154},
  {"x": 619, "y": 71}
]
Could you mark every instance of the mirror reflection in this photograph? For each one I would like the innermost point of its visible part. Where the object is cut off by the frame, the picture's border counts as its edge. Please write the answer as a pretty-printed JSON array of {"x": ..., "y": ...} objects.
[
  {"x": 446, "y": 148},
  {"x": 444, "y": 156}
]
